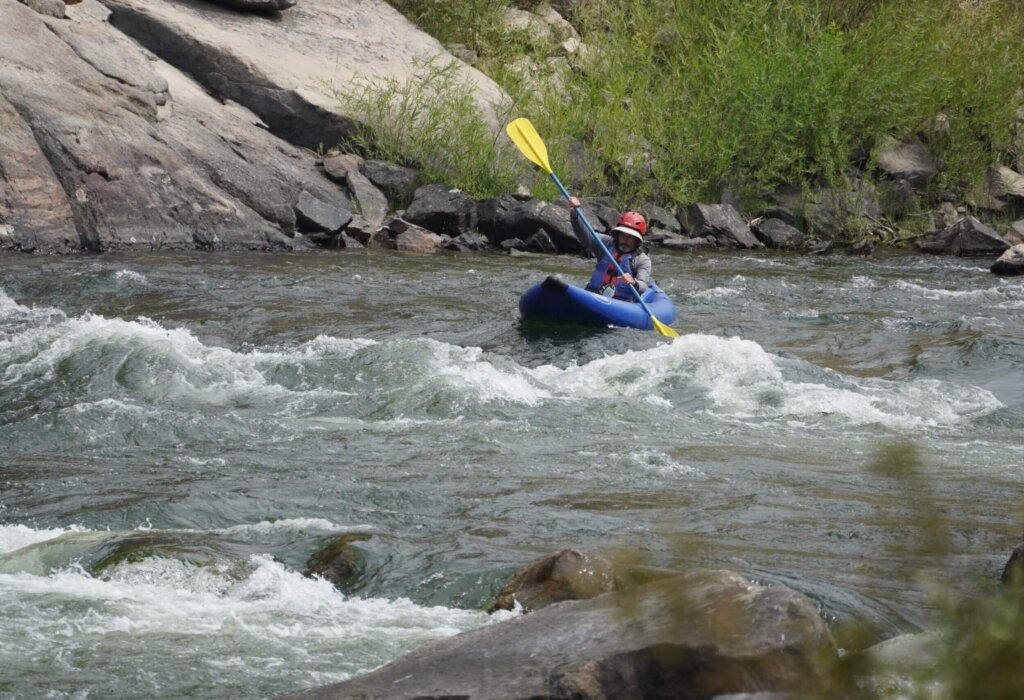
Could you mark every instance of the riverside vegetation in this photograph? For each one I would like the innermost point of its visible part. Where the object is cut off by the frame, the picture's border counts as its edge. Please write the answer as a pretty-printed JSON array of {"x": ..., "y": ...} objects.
[{"x": 696, "y": 100}]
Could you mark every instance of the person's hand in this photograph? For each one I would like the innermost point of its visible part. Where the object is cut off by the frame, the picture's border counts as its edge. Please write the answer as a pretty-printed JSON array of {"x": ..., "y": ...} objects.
[
  {"x": 574, "y": 207},
  {"x": 628, "y": 278}
]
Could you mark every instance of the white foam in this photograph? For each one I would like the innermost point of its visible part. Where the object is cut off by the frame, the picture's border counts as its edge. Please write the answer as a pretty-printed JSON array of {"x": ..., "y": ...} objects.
[
  {"x": 299, "y": 525},
  {"x": 15, "y": 537},
  {"x": 131, "y": 276}
]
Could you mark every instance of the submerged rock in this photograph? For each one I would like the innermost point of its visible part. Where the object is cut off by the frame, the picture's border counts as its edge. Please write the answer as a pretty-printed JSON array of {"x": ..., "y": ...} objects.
[
  {"x": 694, "y": 636},
  {"x": 339, "y": 561},
  {"x": 563, "y": 575}
]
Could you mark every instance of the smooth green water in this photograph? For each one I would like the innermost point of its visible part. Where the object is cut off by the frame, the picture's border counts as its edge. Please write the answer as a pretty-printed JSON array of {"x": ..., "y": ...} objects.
[{"x": 247, "y": 408}]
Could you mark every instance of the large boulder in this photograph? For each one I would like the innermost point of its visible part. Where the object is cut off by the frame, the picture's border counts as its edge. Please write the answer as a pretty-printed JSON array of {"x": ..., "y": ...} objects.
[
  {"x": 317, "y": 216},
  {"x": 140, "y": 155},
  {"x": 410, "y": 238},
  {"x": 659, "y": 217},
  {"x": 508, "y": 216},
  {"x": 722, "y": 222},
  {"x": 907, "y": 161},
  {"x": 966, "y": 238},
  {"x": 397, "y": 182},
  {"x": 776, "y": 233},
  {"x": 1011, "y": 262},
  {"x": 564, "y": 575},
  {"x": 694, "y": 636},
  {"x": 442, "y": 209},
  {"x": 1006, "y": 190},
  {"x": 283, "y": 66}
]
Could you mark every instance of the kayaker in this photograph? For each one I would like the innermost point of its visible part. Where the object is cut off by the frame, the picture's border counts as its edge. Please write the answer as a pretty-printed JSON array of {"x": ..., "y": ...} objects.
[{"x": 625, "y": 246}]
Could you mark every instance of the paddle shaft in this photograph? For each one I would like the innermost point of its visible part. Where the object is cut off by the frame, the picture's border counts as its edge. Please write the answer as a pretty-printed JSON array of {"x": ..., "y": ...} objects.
[{"x": 604, "y": 248}]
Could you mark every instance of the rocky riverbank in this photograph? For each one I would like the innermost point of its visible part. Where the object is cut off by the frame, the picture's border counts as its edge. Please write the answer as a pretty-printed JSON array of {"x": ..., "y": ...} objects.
[{"x": 184, "y": 125}]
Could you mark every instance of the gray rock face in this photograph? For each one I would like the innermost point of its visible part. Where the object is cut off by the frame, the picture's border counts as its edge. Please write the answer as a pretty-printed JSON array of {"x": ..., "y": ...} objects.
[
  {"x": 722, "y": 222},
  {"x": 277, "y": 65},
  {"x": 508, "y": 216},
  {"x": 258, "y": 6},
  {"x": 53, "y": 8},
  {"x": 659, "y": 217},
  {"x": 1011, "y": 262},
  {"x": 468, "y": 243},
  {"x": 1016, "y": 233},
  {"x": 776, "y": 233},
  {"x": 966, "y": 238},
  {"x": 315, "y": 215},
  {"x": 90, "y": 145},
  {"x": 397, "y": 182},
  {"x": 442, "y": 209},
  {"x": 563, "y": 575},
  {"x": 695, "y": 636},
  {"x": 372, "y": 203},
  {"x": 907, "y": 161}
]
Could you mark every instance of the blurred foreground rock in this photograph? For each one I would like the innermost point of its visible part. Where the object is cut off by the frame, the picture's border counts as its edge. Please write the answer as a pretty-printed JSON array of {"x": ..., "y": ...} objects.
[{"x": 695, "y": 636}]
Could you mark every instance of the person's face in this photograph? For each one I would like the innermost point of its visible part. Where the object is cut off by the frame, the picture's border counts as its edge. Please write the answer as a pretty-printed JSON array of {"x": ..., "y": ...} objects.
[{"x": 626, "y": 243}]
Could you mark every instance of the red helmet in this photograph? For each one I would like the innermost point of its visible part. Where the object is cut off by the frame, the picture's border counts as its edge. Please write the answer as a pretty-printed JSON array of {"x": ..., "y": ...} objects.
[{"x": 632, "y": 223}]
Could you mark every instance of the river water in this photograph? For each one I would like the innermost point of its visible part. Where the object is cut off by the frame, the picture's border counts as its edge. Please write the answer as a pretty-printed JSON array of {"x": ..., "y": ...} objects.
[{"x": 239, "y": 411}]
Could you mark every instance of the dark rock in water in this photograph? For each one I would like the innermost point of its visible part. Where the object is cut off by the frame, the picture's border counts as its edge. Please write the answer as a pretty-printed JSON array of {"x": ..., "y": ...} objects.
[
  {"x": 659, "y": 217},
  {"x": 411, "y": 238},
  {"x": 563, "y": 575},
  {"x": 314, "y": 215},
  {"x": 776, "y": 233},
  {"x": 1011, "y": 262},
  {"x": 468, "y": 243},
  {"x": 442, "y": 209},
  {"x": 257, "y": 6},
  {"x": 721, "y": 221},
  {"x": 694, "y": 636},
  {"x": 862, "y": 248},
  {"x": 510, "y": 244},
  {"x": 508, "y": 216},
  {"x": 1013, "y": 572},
  {"x": 397, "y": 182},
  {"x": 339, "y": 562},
  {"x": 540, "y": 242},
  {"x": 966, "y": 238},
  {"x": 821, "y": 248}
]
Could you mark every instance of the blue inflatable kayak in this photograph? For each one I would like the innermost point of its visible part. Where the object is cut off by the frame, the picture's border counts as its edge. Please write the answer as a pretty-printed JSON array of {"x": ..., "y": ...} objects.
[{"x": 554, "y": 300}]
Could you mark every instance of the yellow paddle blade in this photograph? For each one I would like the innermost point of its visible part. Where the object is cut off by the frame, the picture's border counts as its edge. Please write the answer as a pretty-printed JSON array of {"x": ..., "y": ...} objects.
[
  {"x": 663, "y": 329},
  {"x": 527, "y": 140}
]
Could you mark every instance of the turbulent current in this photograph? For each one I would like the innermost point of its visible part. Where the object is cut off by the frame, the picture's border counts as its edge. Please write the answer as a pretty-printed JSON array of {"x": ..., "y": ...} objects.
[{"x": 815, "y": 423}]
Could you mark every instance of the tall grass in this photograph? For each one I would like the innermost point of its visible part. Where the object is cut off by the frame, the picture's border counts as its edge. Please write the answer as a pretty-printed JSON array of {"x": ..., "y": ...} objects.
[{"x": 681, "y": 99}]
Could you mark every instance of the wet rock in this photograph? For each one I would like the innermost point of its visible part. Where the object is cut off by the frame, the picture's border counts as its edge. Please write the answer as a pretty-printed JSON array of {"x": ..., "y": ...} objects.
[
  {"x": 776, "y": 233},
  {"x": 339, "y": 561},
  {"x": 468, "y": 243},
  {"x": 563, "y": 575},
  {"x": 1013, "y": 572},
  {"x": 1011, "y": 262},
  {"x": 966, "y": 238},
  {"x": 361, "y": 229},
  {"x": 257, "y": 6},
  {"x": 821, "y": 248},
  {"x": 722, "y": 222},
  {"x": 315, "y": 215},
  {"x": 694, "y": 636},
  {"x": 907, "y": 161},
  {"x": 397, "y": 182},
  {"x": 510, "y": 244},
  {"x": 442, "y": 209},
  {"x": 540, "y": 242},
  {"x": 410, "y": 238}
]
